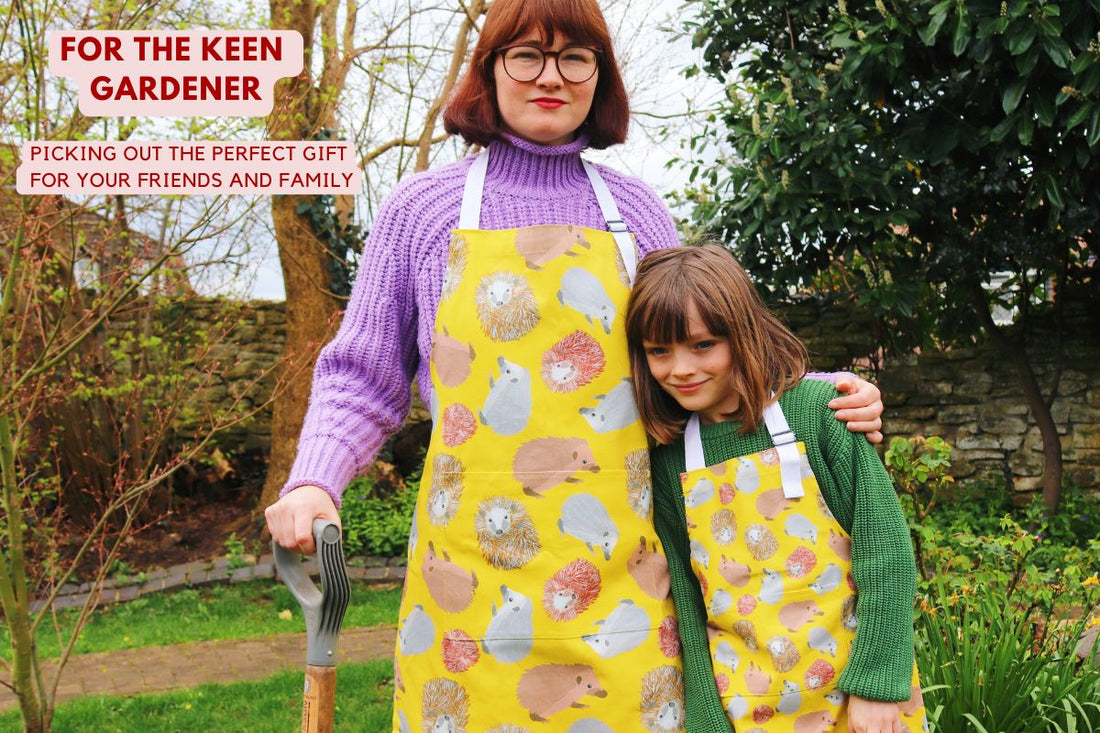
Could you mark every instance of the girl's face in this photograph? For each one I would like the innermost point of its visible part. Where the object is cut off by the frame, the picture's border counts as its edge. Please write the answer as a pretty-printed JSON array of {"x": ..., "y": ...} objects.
[
  {"x": 698, "y": 372},
  {"x": 548, "y": 110}
]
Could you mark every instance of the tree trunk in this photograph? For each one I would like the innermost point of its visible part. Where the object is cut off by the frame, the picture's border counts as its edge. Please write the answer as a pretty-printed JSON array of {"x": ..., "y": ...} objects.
[
  {"x": 1012, "y": 349},
  {"x": 297, "y": 114},
  {"x": 309, "y": 312}
]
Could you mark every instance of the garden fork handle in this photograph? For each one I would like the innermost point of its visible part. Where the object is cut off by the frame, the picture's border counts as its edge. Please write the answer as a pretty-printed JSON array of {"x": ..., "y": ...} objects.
[
  {"x": 323, "y": 611},
  {"x": 318, "y": 699}
]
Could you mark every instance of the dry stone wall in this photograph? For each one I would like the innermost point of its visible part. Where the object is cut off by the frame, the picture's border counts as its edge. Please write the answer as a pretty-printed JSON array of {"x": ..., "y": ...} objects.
[{"x": 968, "y": 396}]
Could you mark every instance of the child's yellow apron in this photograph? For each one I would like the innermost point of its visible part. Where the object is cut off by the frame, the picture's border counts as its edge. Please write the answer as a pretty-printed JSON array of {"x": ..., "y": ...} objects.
[
  {"x": 775, "y": 570},
  {"x": 537, "y": 595}
]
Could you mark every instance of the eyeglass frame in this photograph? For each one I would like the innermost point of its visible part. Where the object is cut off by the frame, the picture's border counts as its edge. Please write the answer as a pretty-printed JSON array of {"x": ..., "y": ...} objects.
[{"x": 598, "y": 53}]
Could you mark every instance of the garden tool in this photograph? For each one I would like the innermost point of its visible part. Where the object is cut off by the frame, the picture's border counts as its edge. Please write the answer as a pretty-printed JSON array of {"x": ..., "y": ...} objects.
[{"x": 323, "y": 610}]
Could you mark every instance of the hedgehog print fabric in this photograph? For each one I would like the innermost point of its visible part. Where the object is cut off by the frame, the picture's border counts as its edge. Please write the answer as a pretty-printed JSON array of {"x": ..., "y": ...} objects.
[
  {"x": 536, "y": 593},
  {"x": 776, "y": 579}
]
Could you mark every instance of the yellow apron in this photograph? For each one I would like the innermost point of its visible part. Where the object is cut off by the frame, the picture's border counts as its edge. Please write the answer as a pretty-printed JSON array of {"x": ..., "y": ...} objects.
[
  {"x": 537, "y": 594},
  {"x": 775, "y": 569}
]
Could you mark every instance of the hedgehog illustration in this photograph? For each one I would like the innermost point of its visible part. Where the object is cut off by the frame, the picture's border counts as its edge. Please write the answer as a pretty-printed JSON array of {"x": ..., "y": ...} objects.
[
  {"x": 668, "y": 637},
  {"x": 445, "y": 705},
  {"x": 505, "y": 533},
  {"x": 783, "y": 653},
  {"x": 663, "y": 699},
  {"x": 542, "y": 244},
  {"x": 572, "y": 362},
  {"x": 398, "y": 680},
  {"x": 757, "y": 681},
  {"x": 506, "y": 307},
  {"x": 723, "y": 526},
  {"x": 571, "y": 591},
  {"x": 747, "y": 632},
  {"x": 620, "y": 266},
  {"x": 649, "y": 570},
  {"x": 639, "y": 490},
  {"x": 460, "y": 651},
  {"x": 848, "y": 613},
  {"x": 456, "y": 265},
  {"x": 446, "y": 489},
  {"x": 459, "y": 425},
  {"x": 824, "y": 507},
  {"x": 589, "y": 725},
  {"x": 819, "y": 674},
  {"x": 451, "y": 358},
  {"x": 761, "y": 542},
  {"x": 800, "y": 562}
]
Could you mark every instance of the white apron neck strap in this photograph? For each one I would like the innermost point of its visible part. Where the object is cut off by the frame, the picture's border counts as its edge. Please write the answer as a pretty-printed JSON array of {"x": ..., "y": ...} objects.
[
  {"x": 790, "y": 465},
  {"x": 693, "y": 444},
  {"x": 470, "y": 214},
  {"x": 615, "y": 223}
]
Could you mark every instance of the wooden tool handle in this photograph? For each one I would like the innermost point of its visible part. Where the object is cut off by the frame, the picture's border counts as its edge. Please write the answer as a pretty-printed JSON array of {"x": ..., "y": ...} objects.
[{"x": 318, "y": 699}]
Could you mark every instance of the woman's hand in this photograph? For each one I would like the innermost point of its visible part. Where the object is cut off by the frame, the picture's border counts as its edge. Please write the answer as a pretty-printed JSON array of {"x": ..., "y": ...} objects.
[
  {"x": 290, "y": 519},
  {"x": 860, "y": 408},
  {"x": 869, "y": 716}
]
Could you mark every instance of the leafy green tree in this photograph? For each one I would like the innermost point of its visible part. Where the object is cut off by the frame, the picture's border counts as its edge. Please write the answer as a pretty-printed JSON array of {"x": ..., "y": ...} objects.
[{"x": 936, "y": 159}]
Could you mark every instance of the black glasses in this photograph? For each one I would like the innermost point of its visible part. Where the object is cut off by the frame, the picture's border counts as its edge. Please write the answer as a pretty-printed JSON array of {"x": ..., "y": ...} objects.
[{"x": 576, "y": 64}]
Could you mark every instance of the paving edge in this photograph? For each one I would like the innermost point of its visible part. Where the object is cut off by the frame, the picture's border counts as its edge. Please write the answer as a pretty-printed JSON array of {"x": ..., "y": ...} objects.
[{"x": 227, "y": 569}]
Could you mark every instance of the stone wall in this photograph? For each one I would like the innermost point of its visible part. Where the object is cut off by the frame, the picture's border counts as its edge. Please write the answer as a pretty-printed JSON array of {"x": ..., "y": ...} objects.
[
  {"x": 972, "y": 399},
  {"x": 968, "y": 396}
]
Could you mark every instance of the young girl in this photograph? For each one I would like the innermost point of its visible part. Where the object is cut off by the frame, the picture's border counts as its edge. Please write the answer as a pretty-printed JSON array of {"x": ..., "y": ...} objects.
[{"x": 776, "y": 547}]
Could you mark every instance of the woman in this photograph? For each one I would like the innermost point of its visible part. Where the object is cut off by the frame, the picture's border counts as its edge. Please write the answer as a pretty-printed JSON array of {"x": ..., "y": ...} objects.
[{"x": 512, "y": 269}]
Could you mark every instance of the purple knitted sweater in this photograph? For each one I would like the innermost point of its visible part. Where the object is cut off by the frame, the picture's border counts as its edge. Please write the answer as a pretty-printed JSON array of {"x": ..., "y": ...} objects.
[{"x": 361, "y": 385}]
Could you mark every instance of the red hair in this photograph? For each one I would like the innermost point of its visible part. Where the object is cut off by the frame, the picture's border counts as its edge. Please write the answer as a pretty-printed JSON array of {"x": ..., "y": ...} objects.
[{"x": 472, "y": 111}]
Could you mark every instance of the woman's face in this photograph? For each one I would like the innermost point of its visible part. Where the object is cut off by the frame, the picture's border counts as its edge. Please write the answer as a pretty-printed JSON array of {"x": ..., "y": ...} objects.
[{"x": 548, "y": 110}]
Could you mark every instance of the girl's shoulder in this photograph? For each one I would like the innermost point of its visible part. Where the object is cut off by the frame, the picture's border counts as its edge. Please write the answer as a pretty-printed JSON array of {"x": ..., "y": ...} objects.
[{"x": 808, "y": 402}]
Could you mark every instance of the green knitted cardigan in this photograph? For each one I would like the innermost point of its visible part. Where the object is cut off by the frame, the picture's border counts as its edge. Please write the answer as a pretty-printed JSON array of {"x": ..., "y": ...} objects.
[{"x": 861, "y": 497}]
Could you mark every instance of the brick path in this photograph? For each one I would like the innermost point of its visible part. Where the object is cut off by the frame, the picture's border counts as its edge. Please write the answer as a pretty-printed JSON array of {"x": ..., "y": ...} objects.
[{"x": 159, "y": 669}]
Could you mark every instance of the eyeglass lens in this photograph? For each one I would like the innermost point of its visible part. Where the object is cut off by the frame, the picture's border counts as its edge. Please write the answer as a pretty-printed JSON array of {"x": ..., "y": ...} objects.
[{"x": 576, "y": 64}]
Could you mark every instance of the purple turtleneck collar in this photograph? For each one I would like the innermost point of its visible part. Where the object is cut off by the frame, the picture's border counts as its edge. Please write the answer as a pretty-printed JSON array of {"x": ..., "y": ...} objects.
[{"x": 518, "y": 163}]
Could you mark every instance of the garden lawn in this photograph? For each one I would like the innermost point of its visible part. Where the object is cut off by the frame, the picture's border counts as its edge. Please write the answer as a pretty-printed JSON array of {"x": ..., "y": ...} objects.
[
  {"x": 363, "y": 703},
  {"x": 206, "y": 613}
]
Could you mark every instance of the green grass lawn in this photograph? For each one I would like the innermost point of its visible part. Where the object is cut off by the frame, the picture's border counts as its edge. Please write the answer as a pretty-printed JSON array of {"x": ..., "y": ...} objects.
[
  {"x": 363, "y": 703},
  {"x": 235, "y": 611}
]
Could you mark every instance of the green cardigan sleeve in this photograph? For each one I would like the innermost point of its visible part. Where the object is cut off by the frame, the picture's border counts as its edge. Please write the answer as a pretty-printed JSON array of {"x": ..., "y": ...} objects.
[
  {"x": 858, "y": 489},
  {"x": 703, "y": 707}
]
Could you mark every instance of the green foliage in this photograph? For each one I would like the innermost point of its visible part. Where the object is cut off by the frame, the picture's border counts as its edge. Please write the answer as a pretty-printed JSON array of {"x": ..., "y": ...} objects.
[
  {"x": 920, "y": 468},
  {"x": 1005, "y": 592},
  {"x": 234, "y": 551},
  {"x": 992, "y": 660},
  {"x": 374, "y": 524},
  {"x": 905, "y": 150}
]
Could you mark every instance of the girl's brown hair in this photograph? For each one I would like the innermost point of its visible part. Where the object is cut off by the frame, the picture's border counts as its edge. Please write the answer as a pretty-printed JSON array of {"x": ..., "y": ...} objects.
[
  {"x": 472, "y": 111},
  {"x": 768, "y": 358}
]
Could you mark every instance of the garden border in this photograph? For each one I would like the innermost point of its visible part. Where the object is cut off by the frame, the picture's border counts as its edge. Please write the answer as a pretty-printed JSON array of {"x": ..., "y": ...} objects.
[{"x": 218, "y": 570}]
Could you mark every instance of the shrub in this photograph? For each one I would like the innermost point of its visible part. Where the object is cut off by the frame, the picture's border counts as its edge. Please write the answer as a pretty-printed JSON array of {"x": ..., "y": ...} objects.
[
  {"x": 995, "y": 660},
  {"x": 375, "y": 524}
]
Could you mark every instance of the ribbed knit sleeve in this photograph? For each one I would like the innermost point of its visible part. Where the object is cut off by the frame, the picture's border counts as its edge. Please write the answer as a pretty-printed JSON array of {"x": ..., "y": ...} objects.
[
  {"x": 703, "y": 707},
  {"x": 362, "y": 381},
  {"x": 883, "y": 568}
]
